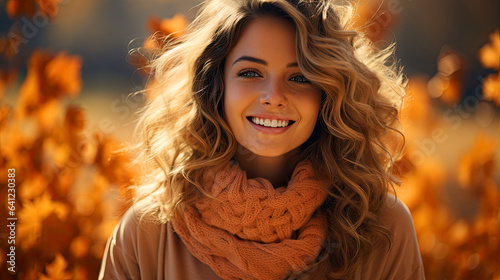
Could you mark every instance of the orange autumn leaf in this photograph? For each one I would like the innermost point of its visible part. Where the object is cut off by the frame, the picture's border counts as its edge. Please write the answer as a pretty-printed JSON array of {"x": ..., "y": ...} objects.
[
  {"x": 489, "y": 54},
  {"x": 160, "y": 30},
  {"x": 63, "y": 75},
  {"x": 168, "y": 27},
  {"x": 48, "y": 77},
  {"x": 14, "y": 148},
  {"x": 57, "y": 270},
  {"x": 114, "y": 165},
  {"x": 491, "y": 88},
  {"x": 18, "y": 8},
  {"x": 74, "y": 120},
  {"x": 31, "y": 216}
]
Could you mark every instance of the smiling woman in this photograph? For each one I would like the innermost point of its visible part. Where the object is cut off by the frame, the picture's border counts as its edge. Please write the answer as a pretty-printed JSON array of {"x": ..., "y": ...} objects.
[{"x": 269, "y": 149}]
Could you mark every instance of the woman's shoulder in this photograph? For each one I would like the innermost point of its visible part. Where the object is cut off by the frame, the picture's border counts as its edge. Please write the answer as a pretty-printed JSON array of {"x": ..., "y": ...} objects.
[
  {"x": 144, "y": 212},
  {"x": 140, "y": 220},
  {"x": 131, "y": 244},
  {"x": 142, "y": 247},
  {"x": 396, "y": 216},
  {"x": 402, "y": 259},
  {"x": 140, "y": 224}
]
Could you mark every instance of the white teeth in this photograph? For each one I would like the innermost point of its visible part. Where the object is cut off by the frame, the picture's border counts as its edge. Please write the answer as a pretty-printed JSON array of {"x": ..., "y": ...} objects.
[{"x": 270, "y": 123}]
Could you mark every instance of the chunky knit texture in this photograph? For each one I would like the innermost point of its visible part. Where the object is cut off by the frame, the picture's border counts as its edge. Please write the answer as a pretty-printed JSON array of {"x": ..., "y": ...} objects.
[{"x": 252, "y": 230}]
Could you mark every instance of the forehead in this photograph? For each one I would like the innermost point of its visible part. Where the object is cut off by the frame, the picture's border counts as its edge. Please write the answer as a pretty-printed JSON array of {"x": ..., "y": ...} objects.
[{"x": 267, "y": 36}]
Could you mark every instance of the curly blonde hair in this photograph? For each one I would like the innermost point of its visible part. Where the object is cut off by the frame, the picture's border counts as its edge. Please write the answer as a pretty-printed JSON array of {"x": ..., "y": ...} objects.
[{"x": 354, "y": 144}]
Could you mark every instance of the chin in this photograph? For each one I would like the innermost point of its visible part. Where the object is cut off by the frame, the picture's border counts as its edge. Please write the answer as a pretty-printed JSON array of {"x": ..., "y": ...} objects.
[{"x": 269, "y": 152}]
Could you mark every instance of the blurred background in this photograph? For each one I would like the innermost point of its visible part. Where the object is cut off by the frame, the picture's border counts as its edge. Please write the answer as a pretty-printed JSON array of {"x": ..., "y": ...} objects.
[{"x": 65, "y": 81}]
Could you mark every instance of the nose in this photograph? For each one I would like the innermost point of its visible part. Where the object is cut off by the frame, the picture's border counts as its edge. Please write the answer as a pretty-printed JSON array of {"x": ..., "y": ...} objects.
[{"x": 274, "y": 95}]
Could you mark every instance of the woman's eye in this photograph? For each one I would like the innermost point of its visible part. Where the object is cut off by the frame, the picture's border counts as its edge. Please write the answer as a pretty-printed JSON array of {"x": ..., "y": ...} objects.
[
  {"x": 300, "y": 79},
  {"x": 248, "y": 74}
]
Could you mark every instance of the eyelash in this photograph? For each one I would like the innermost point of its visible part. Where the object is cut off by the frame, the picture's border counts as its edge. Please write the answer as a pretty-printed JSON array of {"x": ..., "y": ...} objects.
[
  {"x": 304, "y": 80},
  {"x": 245, "y": 74}
]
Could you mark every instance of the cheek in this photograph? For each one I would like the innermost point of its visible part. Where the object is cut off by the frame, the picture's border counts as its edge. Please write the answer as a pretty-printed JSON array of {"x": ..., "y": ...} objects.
[
  {"x": 310, "y": 106},
  {"x": 227, "y": 106},
  {"x": 237, "y": 97},
  {"x": 232, "y": 104}
]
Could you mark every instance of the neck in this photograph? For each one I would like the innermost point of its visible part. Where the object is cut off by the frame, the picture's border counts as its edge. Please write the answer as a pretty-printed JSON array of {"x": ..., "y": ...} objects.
[{"x": 277, "y": 170}]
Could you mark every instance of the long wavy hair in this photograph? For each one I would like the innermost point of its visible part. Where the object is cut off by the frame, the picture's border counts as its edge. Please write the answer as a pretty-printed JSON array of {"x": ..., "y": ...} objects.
[{"x": 354, "y": 144}]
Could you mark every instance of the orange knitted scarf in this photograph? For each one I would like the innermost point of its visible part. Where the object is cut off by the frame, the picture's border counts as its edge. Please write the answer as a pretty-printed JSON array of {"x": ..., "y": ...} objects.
[{"x": 252, "y": 230}]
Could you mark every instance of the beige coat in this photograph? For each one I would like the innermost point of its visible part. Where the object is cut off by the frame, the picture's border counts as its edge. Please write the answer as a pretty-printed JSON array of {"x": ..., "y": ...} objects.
[{"x": 148, "y": 250}]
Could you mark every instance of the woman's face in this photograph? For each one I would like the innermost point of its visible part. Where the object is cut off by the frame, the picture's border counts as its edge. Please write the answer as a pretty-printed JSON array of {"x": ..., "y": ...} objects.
[{"x": 269, "y": 105}]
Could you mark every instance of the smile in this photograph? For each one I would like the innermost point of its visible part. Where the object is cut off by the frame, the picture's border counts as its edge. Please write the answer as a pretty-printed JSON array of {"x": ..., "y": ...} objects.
[{"x": 270, "y": 123}]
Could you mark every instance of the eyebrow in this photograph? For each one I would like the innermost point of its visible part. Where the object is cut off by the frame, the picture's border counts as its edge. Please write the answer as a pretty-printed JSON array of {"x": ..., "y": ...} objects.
[{"x": 261, "y": 61}]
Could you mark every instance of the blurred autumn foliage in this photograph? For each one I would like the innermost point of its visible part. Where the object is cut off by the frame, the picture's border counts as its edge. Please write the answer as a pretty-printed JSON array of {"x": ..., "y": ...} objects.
[
  {"x": 63, "y": 175},
  {"x": 65, "y": 172},
  {"x": 18, "y": 8},
  {"x": 490, "y": 58},
  {"x": 452, "y": 246}
]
